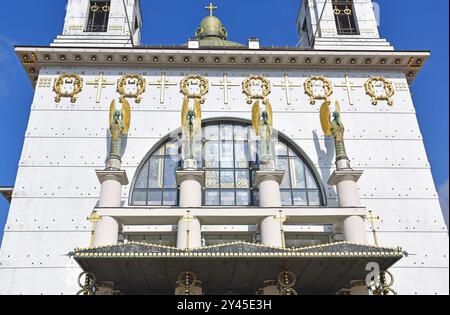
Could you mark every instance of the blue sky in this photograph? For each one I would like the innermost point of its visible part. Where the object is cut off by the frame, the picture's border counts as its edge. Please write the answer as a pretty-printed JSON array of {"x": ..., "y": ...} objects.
[{"x": 273, "y": 21}]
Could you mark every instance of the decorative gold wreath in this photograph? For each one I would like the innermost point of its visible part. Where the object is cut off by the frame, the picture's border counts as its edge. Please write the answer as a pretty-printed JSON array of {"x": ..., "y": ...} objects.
[
  {"x": 140, "y": 85},
  {"x": 384, "y": 287},
  {"x": 309, "y": 89},
  {"x": 247, "y": 91},
  {"x": 286, "y": 282},
  {"x": 204, "y": 87},
  {"x": 88, "y": 288},
  {"x": 388, "y": 89},
  {"x": 73, "y": 78}
]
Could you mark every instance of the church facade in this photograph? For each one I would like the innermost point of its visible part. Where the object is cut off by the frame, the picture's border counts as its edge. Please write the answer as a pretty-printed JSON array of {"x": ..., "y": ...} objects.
[{"x": 217, "y": 167}]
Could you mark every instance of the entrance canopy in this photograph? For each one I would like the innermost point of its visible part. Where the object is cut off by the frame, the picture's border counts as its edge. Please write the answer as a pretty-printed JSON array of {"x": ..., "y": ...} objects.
[{"x": 237, "y": 268}]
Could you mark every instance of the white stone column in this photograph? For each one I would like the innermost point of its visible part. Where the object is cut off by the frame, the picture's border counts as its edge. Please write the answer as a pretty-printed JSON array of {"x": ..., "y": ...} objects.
[
  {"x": 106, "y": 230},
  {"x": 271, "y": 227},
  {"x": 345, "y": 180},
  {"x": 358, "y": 287},
  {"x": 189, "y": 232},
  {"x": 191, "y": 183}
]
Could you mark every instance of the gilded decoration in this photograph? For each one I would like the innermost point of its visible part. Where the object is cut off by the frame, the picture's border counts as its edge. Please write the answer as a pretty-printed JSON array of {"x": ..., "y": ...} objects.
[
  {"x": 187, "y": 282},
  {"x": 192, "y": 87},
  {"x": 256, "y": 88},
  {"x": 286, "y": 283},
  {"x": 313, "y": 84},
  {"x": 195, "y": 86},
  {"x": 65, "y": 80},
  {"x": 383, "y": 285},
  {"x": 131, "y": 79},
  {"x": 380, "y": 89}
]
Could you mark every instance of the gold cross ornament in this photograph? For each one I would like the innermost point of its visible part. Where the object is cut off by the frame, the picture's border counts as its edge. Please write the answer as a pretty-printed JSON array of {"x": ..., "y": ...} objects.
[
  {"x": 100, "y": 83},
  {"x": 287, "y": 86},
  {"x": 349, "y": 87},
  {"x": 163, "y": 84},
  {"x": 211, "y": 8},
  {"x": 226, "y": 85}
]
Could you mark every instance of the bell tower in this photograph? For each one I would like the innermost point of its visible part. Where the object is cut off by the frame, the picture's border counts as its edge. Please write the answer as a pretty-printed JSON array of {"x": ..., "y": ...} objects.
[
  {"x": 105, "y": 23},
  {"x": 339, "y": 25}
]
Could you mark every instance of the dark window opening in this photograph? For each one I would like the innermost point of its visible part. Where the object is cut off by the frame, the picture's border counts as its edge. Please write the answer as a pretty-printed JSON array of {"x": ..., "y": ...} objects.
[
  {"x": 98, "y": 16},
  {"x": 344, "y": 15}
]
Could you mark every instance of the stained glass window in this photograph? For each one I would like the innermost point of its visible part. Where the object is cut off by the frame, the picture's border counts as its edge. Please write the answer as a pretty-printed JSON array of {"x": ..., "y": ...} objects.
[{"x": 230, "y": 163}]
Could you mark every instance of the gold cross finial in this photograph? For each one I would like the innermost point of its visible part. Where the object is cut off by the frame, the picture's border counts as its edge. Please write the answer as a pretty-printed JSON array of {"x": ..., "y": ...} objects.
[
  {"x": 211, "y": 8},
  {"x": 372, "y": 218}
]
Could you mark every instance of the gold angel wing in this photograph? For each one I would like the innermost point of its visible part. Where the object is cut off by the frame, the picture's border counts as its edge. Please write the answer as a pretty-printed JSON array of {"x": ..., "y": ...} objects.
[
  {"x": 184, "y": 111},
  {"x": 126, "y": 114},
  {"x": 325, "y": 118},
  {"x": 255, "y": 117},
  {"x": 338, "y": 107},
  {"x": 269, "y": 112},
  {"x": 112, "y": 110},
  {"x": 198, "y": 115}
]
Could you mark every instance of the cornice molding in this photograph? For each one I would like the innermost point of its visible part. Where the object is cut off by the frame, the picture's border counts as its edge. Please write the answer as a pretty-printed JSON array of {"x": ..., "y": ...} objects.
[{"x": 35, "y": 58}]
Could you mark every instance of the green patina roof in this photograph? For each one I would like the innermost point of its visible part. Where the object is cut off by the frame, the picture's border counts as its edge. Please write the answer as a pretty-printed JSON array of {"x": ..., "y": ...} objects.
[{"x": 212, "y": 33}]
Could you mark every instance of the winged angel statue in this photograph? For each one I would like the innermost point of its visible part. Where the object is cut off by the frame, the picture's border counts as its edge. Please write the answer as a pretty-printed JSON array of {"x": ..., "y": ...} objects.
[
  {"x": 191, "y": 125},
  {"x": 262, "y": 125},
  {"x": 119, "y": 125},
  {"x": 334, "y": 127}
]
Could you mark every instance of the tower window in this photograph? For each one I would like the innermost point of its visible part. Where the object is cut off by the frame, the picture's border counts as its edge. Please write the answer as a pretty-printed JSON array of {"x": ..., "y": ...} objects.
[
  {"x": 344, "y": 15},
  {"x": 98, "y": 16}
]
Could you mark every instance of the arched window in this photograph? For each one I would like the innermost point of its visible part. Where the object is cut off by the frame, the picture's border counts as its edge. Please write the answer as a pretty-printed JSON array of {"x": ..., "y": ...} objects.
[{"x": 230, "y": 162}]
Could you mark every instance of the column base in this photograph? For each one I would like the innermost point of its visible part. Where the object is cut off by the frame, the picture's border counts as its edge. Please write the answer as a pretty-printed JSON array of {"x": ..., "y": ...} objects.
[
  {"x": 265, "y": 175},
  {"x": 117, "y": 175},
  {"x": 344, "y": 175},
  {"x": 198, "y": 176},
  {"x": 190, "y": 165},
  {"x": 105, "y": 288},
  {"x": 114, "y": 163},
  {"x": 270, "y": 287},
  {"x": 358, "y": 287}
]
